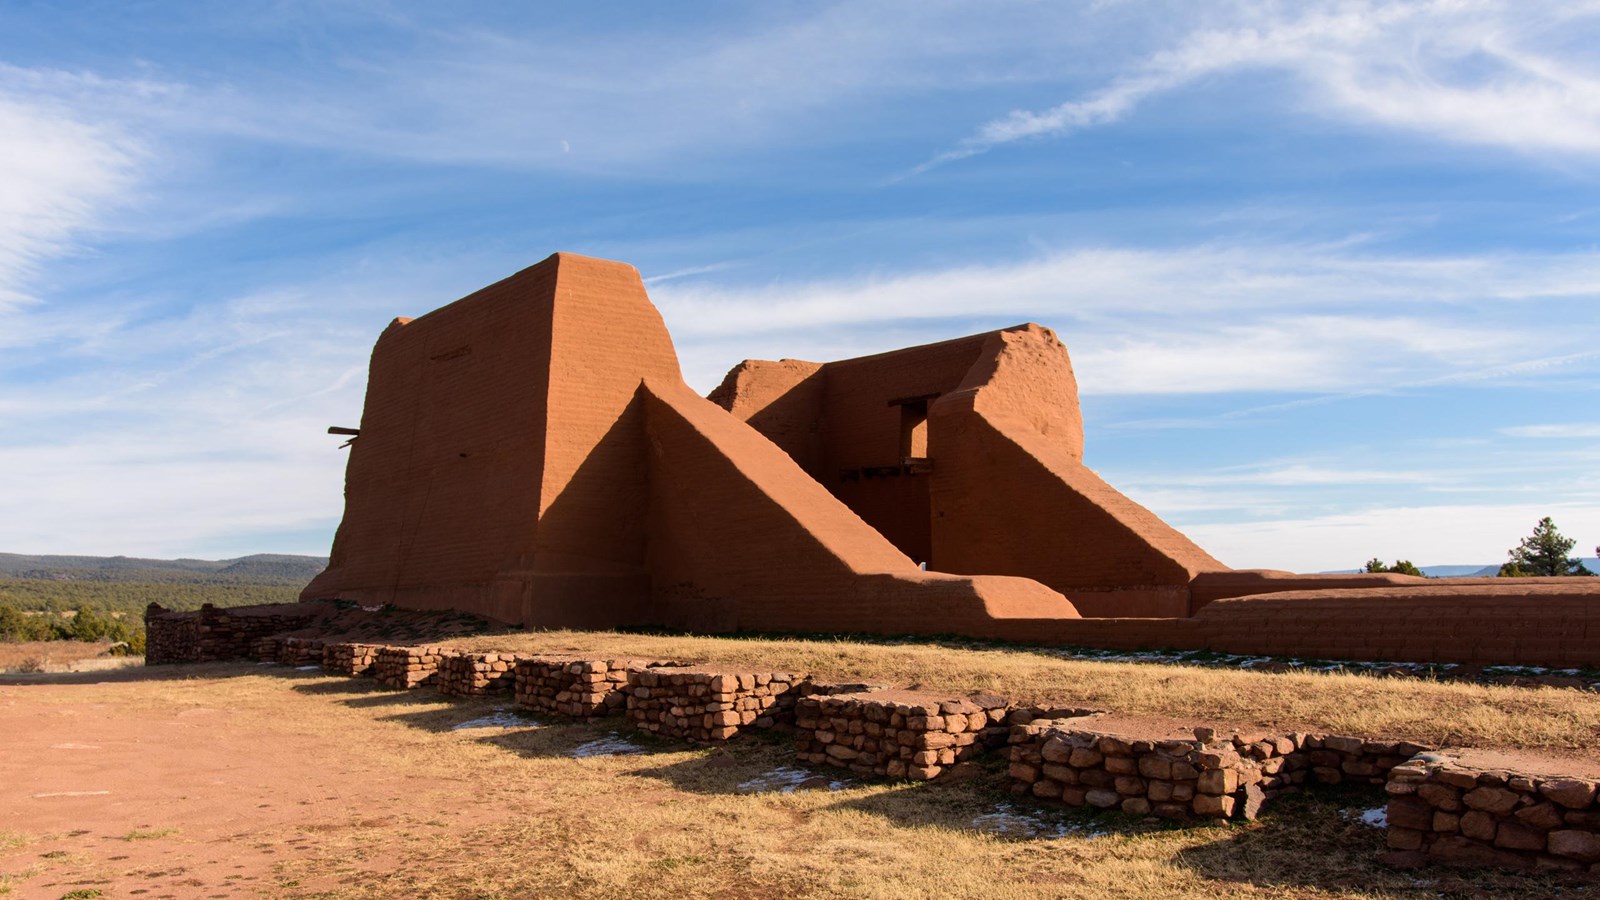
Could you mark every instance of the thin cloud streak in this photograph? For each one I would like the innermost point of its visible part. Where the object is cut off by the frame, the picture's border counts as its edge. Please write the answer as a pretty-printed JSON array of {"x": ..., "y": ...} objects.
[{"x": 1398, "y": 65}]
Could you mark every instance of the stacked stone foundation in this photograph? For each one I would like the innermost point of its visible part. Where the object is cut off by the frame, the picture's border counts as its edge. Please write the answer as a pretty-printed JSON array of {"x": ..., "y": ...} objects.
[
  {"x": 1079, "y": 763},
  {"x": 351, "y": 659},
  {"x": 266, "y": 649},
  {"x": 897, "y": 734},
  {"x": 476, "y": 674},
  {"x": 578, "y": 688},
  {"x": 708, "y": 704},
  {"x": 1453, "y": 810},
  {"x": 170, "y": 637},
  {"x": 299, "y": 651},
  {"x": 404, "y": 668}
]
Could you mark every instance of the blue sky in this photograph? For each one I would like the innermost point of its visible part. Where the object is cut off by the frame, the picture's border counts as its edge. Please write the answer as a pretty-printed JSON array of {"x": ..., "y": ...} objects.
[{"x": 1329, "y": 272}]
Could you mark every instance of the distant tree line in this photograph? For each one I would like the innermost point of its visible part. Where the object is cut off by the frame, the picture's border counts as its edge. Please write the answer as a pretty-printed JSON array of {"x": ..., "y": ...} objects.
[
  {"x": 54, "y": 609},
  {"x": 1544, "y": 553},
  {"x": 85, "y": 624}
]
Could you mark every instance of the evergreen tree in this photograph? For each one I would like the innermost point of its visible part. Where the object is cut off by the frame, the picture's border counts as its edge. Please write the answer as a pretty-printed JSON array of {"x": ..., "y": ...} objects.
[
  {"x": 1543, "y": 553},
  {"x": 1400, "y": 567}
]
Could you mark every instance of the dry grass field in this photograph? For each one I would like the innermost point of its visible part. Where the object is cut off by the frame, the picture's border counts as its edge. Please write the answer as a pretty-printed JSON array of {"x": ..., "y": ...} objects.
[
  {"x": 60, "y": 656},
  {"x": 239, "y": 780}
]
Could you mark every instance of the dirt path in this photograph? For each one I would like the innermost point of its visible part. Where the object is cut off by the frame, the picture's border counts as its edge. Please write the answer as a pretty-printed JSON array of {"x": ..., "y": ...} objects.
[{"x": 133, "y": 796}]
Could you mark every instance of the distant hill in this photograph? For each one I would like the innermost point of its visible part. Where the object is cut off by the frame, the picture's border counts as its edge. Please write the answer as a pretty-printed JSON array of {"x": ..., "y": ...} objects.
[
  {"x": 1467, "y": 571},
  {"x": 260, "y": 568}
]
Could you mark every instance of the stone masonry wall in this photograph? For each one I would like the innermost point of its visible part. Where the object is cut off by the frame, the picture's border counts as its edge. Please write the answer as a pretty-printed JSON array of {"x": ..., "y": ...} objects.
[
  {"x": 1090, "y": 761},
  {"x": 298, "y": 651},
  {"x": 578, "y": 688},
  {"x": 476, "y": 674},
  {"x": 266, "y": 649},
  {"x": 408, "y": 667},
  {"x": 1473, "y": 809},
  {"x": 351, "y": 659},
  {"x": 898, "y": 734},
  {"x": 210, "y": 634},
  {"x": 170, "y": 637},
  {"x": 707, "y": 704}
]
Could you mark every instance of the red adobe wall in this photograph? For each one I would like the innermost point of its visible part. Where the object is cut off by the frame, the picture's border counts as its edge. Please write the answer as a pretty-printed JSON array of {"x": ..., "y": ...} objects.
[
  {"x": 1005, "y": 490},
  {"x": 1532, "y": 622},
  {"x": 531, "y": 453}
]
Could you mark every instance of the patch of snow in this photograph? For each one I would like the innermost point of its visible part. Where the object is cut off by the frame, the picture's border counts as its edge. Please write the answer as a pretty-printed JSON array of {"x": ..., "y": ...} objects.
[
  {"x": 784, "y": 779},
  {"x": 1006, "y": 821},
  {"x": 1377, "y": 817},
  {"x": 610, "y": 745},
  {"x": 306, "y": 668},
  {"x": 500, "y": 718},
  {"x": 266, "y": 663}
]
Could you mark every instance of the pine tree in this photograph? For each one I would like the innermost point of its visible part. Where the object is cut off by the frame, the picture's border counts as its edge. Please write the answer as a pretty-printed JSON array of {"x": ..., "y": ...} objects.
[
  {"x": 1543, "y": 553},
  {"x": 1400, "y": 567}
]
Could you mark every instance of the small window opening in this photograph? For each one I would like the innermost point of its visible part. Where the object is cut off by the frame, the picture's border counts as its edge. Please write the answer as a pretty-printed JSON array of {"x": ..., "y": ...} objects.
[{"x": 913, "y": 431}]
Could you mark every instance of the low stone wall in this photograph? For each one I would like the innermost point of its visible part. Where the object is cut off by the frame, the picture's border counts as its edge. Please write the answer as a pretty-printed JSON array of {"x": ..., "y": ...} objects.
[
  {"x": 170, "y": 637},
  {"x": 297, "y": 651},
  {"x": 1480, "y": 809},
  {"x": 404, "y": 668},
  {"x": 351, "y": 659},
  {"x": 464, "y": 674},
  {"x": 1099, "y": 761},
  {"x": 210, "y": 634},
  {"x": 898, "y": 734},
  {"x": 266, "y": 649},
  {"x": 708, "y": 704},
  {"x": 578, "y": 688}
]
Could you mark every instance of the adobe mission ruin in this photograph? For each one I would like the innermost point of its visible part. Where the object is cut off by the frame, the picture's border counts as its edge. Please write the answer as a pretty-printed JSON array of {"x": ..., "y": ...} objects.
[{"x": 531, "y": 453}]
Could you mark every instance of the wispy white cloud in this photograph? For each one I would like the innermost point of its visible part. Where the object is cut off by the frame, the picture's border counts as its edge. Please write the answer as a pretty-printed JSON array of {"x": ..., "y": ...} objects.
[
  {"x": 1427, "y": 535},
  {"x": 63, "y": 171},
  {"x": 1475, "y": 71},
  {"x": 1559, "y": 430},
  {"x": 1182, "y": 320}
]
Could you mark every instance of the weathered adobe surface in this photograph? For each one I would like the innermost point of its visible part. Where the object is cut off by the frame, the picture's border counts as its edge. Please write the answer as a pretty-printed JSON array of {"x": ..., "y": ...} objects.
[
  {"x": 648, "y": 504},
  {"x": 1506, "y": 810}
]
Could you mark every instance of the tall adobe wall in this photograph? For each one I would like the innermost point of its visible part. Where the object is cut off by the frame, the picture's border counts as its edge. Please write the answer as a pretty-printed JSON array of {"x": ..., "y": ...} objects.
[
  {"x": 531, "y": 453},
  {"x": 998, "y": 487}
]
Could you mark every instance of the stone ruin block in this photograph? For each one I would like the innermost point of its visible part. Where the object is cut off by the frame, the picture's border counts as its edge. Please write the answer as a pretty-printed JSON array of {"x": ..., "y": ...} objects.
[
  {"x": 708, "y": 704},
  {"x": 1480, "y": 809},
  {"x": 300, "y": 651},
  {"x": 1336, "y": 759},
  {"x": 408, "y": 667},
  {"x": 476, "y": 674},
  {"x": 350, "y": 659},
  {"x": 899, "y": 734},
  {"x": 1112, "y": 763},
  {"x": 578, "y": 688},
  {"x": 266, "y": 649}
]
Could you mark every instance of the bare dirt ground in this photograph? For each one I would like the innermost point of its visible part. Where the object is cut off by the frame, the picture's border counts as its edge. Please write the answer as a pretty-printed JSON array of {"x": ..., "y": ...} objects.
[{"x": 240, "y": 780}]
